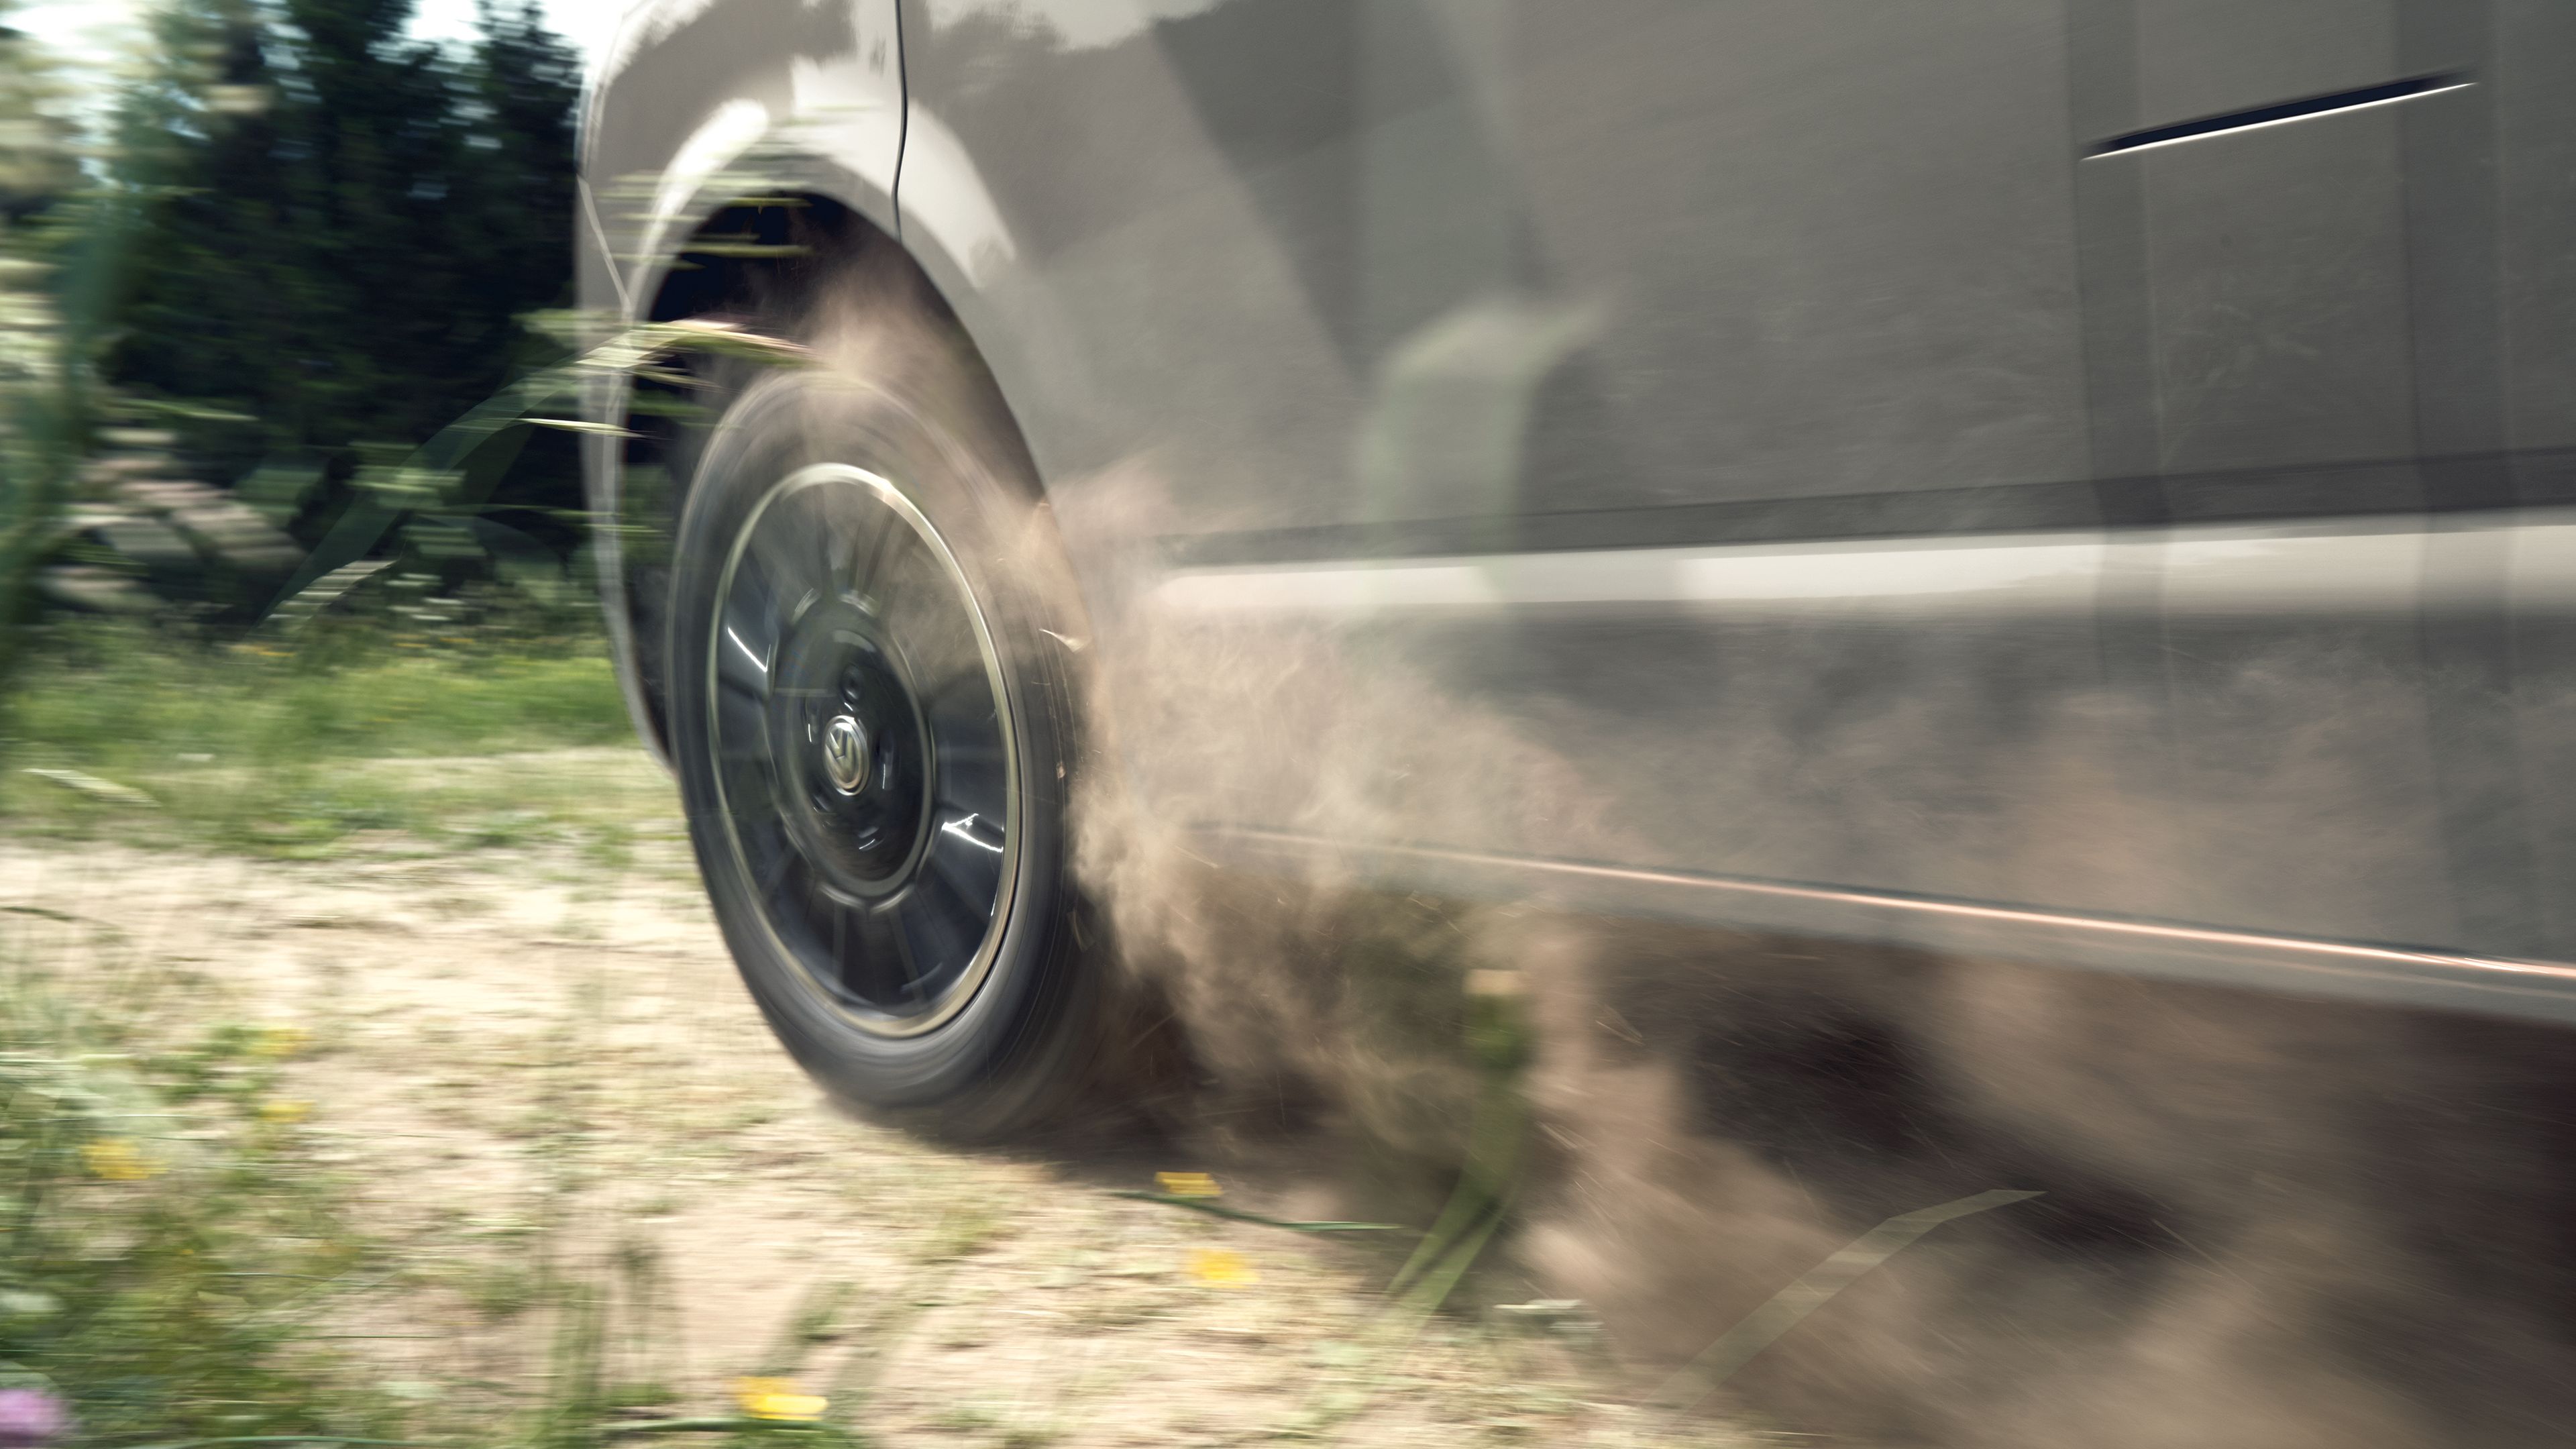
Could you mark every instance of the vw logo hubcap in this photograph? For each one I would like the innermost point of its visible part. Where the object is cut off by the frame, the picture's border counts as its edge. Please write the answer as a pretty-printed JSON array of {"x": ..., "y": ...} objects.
[{"x": 845, "y": 754}]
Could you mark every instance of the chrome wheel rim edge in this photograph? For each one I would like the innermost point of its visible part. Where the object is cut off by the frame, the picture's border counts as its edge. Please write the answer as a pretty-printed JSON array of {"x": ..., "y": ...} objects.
[{"x": 960, "y": 993}]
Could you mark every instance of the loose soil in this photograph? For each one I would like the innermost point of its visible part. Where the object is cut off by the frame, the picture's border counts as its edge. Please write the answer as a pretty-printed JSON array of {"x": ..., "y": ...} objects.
[{"x": 534, "y": 1064}]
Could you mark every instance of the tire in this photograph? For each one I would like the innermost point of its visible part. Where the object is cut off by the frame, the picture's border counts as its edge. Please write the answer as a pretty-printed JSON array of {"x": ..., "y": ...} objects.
[{"x": 873, "y": 725}]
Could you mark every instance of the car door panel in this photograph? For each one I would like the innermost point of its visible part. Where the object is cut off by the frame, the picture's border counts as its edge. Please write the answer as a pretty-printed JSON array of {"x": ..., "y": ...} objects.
[{"x": 1390, "y": 304}]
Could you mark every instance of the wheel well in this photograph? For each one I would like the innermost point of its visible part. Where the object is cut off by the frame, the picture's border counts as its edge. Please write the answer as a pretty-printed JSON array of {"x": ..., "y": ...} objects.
[
  {"x": 765, "y": 264},
  {"x": 762, "y": 258},
  {"x": 760, "y": 263}
]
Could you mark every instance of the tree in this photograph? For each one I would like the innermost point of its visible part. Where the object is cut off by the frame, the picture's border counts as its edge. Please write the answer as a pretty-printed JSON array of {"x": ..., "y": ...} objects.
[
  {"x": 36, "y": 161},
  {"x": 336, "y": 228},
  {"x": 50, "y": 260}
]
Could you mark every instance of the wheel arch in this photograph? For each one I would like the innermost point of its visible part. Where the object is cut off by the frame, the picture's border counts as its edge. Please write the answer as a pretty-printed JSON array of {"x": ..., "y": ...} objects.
[{"x": 764, "y": 243}]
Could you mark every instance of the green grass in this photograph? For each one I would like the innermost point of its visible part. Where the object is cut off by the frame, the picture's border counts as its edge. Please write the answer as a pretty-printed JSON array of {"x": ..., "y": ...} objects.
[
  {"x": 124, "y": 695},
  {"x": 255, "y": 746},
  {"x": 168, "y": 1236}
]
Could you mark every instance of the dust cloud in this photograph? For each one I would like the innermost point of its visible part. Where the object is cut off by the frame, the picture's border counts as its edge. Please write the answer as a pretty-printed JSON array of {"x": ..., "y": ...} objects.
[{"x": 2265, "y": 1222}]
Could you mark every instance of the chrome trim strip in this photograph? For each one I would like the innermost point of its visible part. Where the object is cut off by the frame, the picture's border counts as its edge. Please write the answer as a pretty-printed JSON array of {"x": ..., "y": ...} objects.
[
  {"x": 2053, "y": 571},
  {"x": 2284, "y": 113},
  {"x": 2395, "y": 975},
  {"x": 2208, "y": 568}
]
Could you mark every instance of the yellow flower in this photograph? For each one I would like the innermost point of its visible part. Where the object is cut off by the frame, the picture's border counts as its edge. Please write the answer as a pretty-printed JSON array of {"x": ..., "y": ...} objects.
[
  {"x": 116, "y": 1159},
  {"x": 777, "y": 1399},
  {"x": 1219, "y": 1268},
  {"x": 279, "y": 1042},
  {"x": 279, "y": 1111},
  {"x": 1188, "y": 1184}
]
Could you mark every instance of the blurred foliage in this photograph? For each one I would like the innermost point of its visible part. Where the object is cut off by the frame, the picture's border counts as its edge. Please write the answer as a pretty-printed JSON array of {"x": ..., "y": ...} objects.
[
  {"x": 337, "y": 229},
  {"x": 431, "y": 499},
  {"x": 54, "y": 259},
  {"x": 35, "y": 462},
  {"x": 306, "y": 244},
  {"x": 37, "y": 163}
]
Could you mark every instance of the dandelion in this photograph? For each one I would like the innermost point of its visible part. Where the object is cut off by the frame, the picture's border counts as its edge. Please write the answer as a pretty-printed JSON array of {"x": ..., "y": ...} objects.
[
  {"x": 777, "y": 1399},
  {"x": 117, "y": 1160},
  {"x": 1188, "y": 1184},
  {"x": 277, "y": 1043},
  {"x": 30, "y": 1418},
  {"x": 1219, "y": 1268},
  {"x": 283, "y": 1111}
]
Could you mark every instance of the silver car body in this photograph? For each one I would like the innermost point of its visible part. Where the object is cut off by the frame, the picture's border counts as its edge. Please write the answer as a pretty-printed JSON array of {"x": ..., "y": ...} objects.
[{"x": 2087, "y": 480}]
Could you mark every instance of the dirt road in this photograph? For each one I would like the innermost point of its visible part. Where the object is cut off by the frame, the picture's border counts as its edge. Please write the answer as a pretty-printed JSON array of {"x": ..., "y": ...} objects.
[{"x": 534, "y": 1065}]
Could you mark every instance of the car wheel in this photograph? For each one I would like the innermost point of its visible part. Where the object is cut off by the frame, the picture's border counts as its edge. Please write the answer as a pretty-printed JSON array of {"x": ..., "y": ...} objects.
[{"x": 872, "y": 722}]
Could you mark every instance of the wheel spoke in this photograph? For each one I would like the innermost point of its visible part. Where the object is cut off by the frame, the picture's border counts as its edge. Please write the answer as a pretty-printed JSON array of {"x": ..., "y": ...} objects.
[
  {"x": 761, "y": 596},
  {"x": 765, "y": 850},
  {"x": 969, "y": 731},
  {"x": 742, "y": 664},
  {"x": 861, "y": 750},
  {"x": 751, "y": 804},
  {"x": 918, "y": 601},
  {"x": 789, "y": 559},
  {"x": 967, "y": 852},
  {"x": 940, "y": 926},
  {"x": 871, "y": 555},
  {"x": 905, "y": 956},
  {"x": 975, "y": 787},
  {"x": 962, "y": 691},
  {"x": 829, "y": 534},
  {"x": 865, "y": 958},
  {"x": 774, "y": 881},
  {"x": 817, "y": 524},
  {"x": 740, "y": 719}
]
